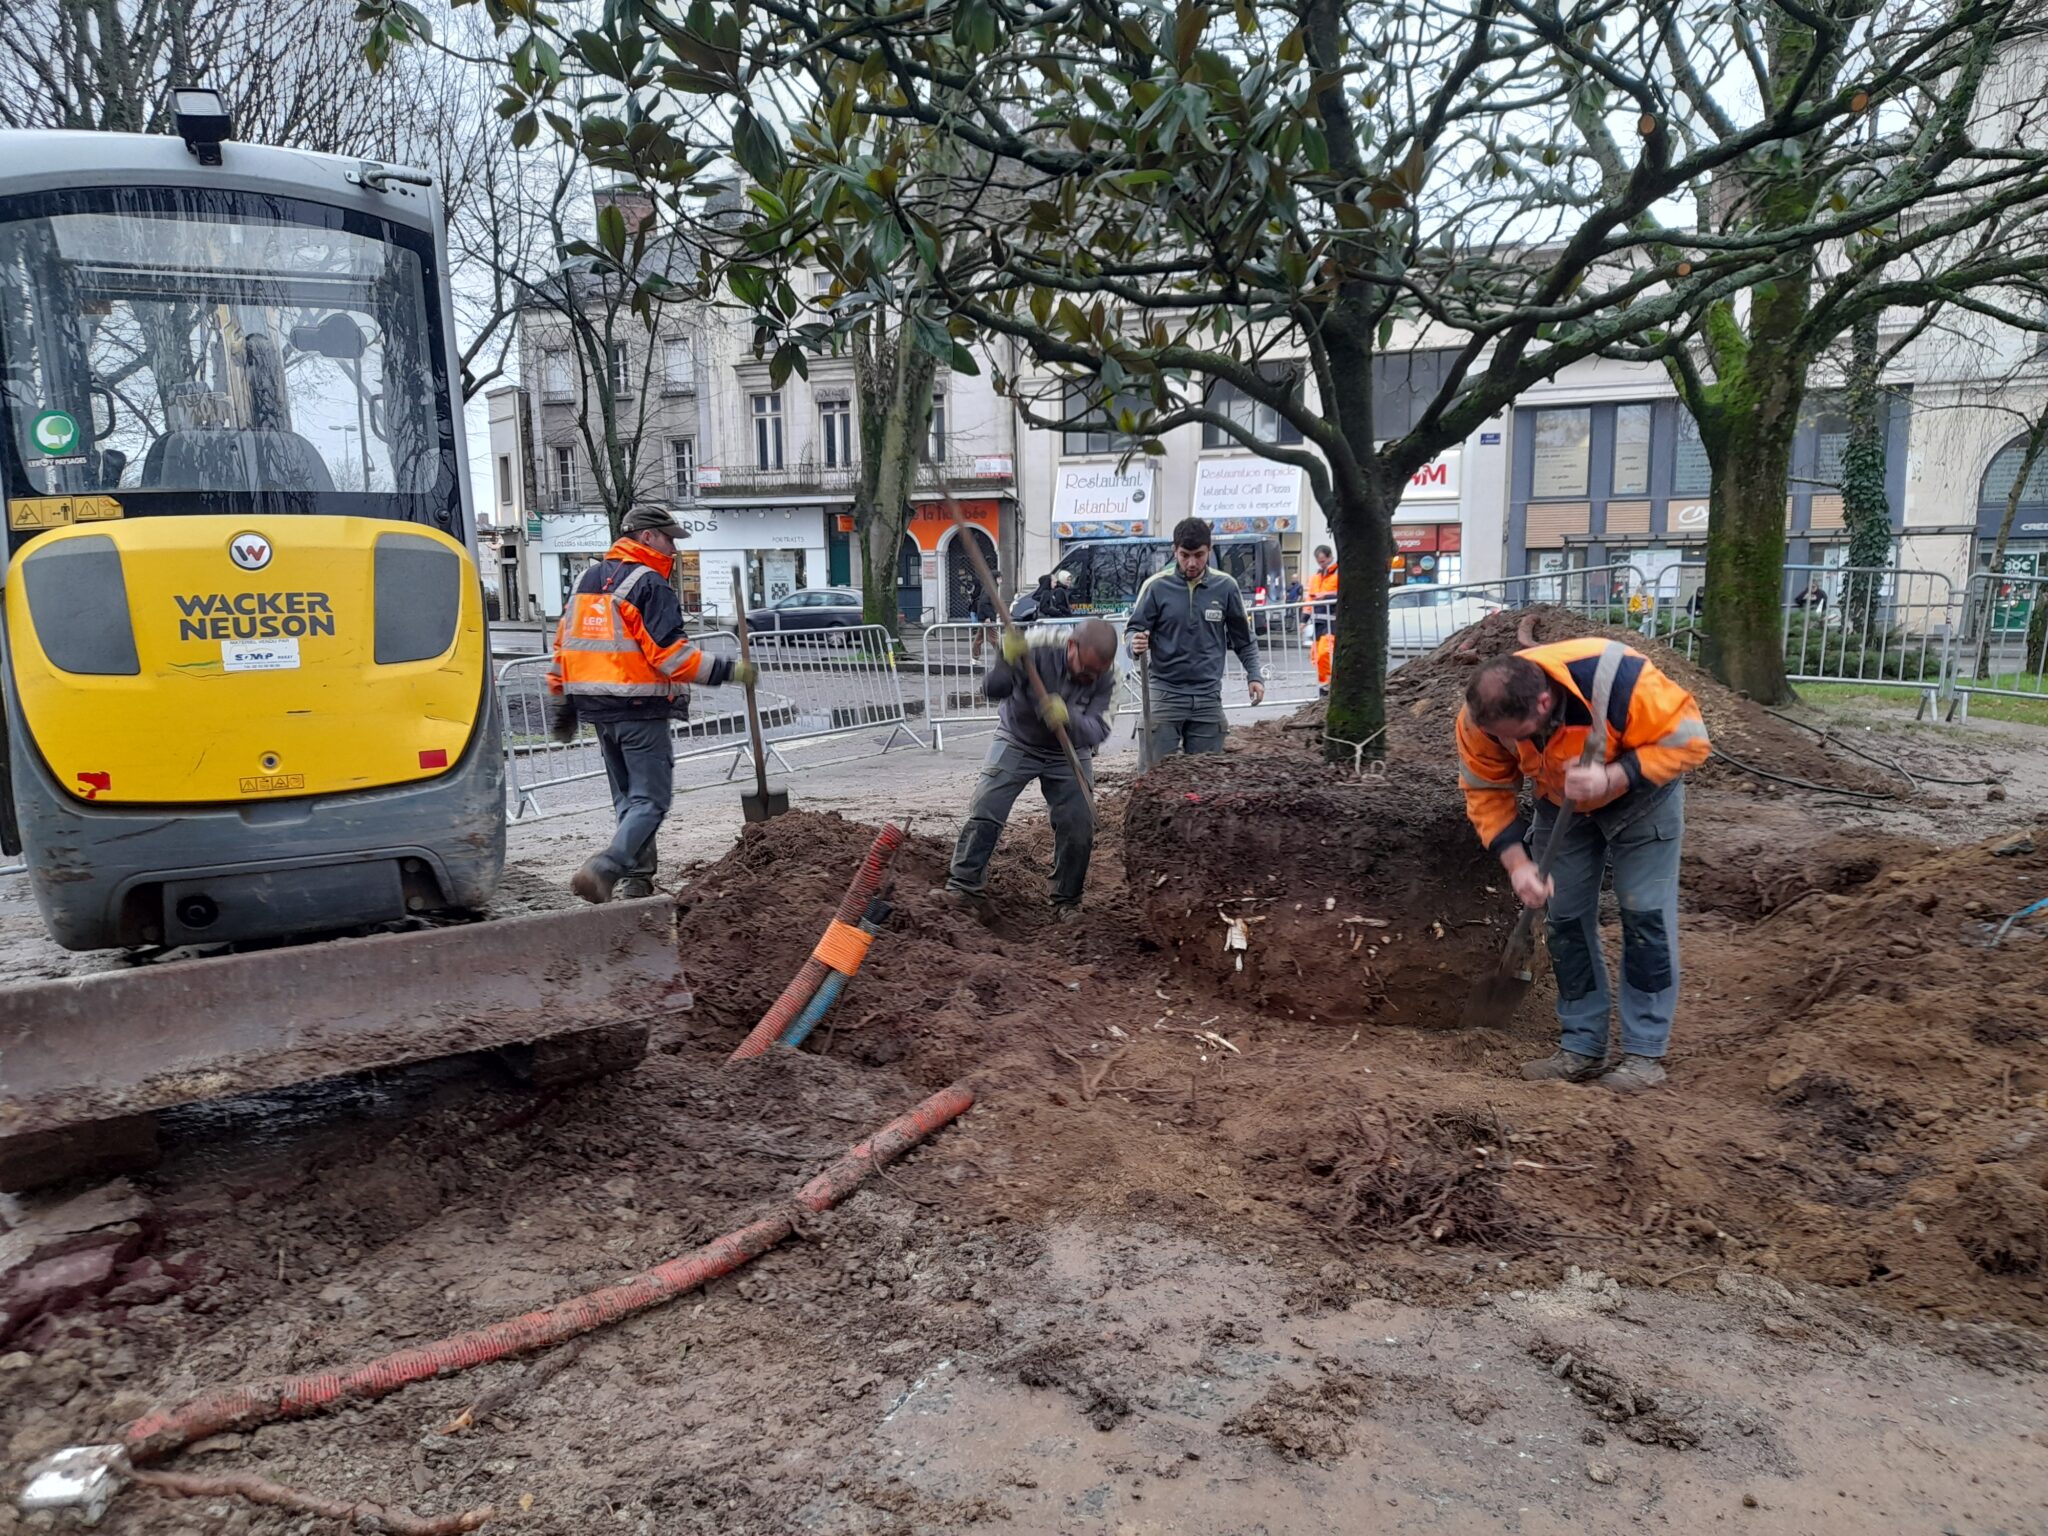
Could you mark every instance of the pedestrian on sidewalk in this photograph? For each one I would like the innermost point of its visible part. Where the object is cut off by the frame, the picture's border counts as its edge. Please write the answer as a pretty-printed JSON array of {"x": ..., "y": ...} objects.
[
  {"x": 1078, "y": 668},
  {"x": 1527, "y": 715},
  {"x": 1188, "y": 619},
  {"x": 623, "y": 663},
  {"x": 1322, "y": 594}
]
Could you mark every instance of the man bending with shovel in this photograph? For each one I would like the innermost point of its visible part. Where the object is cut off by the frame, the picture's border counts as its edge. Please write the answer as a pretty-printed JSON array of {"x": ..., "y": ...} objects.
[
  {"x": 1078, "y": 670},
  {"x": 1607, "y": 739}
]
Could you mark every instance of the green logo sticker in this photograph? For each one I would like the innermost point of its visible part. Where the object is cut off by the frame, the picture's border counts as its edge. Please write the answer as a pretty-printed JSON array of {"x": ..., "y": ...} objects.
[{"x": 55, "y": 432}]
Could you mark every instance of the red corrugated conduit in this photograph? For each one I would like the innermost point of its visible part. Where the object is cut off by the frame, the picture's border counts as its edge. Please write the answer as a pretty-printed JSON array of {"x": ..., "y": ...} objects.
[
  {"x": 158, "y": 1434},
  {"x": 866, "y": 881}
]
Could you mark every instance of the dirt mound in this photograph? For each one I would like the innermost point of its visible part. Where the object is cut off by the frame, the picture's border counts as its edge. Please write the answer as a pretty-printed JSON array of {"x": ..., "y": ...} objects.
[
  {"x": 1858, "y": 1094},
  {"x": 1424, "y": 696}
]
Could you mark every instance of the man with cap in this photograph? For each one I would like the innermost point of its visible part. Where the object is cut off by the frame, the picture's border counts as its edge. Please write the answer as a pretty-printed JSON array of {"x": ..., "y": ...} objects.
[{"x": 623, "y": 663}]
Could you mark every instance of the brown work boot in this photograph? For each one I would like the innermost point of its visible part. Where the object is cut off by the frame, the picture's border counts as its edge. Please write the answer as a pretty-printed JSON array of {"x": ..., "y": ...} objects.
[
  {"x": 1067, "y": 912},
  {"x": 1633, "y": 1074},
  {"x": 593, "y": 882},
  {"x": 1564, "y": 1066},
  {"x": 633, "y": 888}
]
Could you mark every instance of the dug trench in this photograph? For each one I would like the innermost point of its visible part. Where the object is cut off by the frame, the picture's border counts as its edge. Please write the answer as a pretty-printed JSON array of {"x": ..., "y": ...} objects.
[{"x": 1224, "y": 1113}]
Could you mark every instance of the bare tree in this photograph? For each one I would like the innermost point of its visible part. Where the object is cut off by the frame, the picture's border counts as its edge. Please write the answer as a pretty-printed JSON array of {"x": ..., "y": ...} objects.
[{"x": 291, "y": 71}]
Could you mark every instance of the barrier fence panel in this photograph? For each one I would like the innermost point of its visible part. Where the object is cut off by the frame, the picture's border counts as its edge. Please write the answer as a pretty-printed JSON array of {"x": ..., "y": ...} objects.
[
  {"x": 1420, "y": 617},
  {"x": 837, "y": 686},
  {"x": 2002, "y": 647},
  {"x": 1876, "y": 627}
]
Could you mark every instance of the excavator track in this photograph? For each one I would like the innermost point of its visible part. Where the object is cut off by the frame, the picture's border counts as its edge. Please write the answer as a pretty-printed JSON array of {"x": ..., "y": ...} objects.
[{"x": 86, "y": 1063}]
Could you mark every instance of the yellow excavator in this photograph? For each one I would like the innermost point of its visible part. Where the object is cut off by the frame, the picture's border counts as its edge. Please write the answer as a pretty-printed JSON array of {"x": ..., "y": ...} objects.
[{"x": 246, "y": 674}]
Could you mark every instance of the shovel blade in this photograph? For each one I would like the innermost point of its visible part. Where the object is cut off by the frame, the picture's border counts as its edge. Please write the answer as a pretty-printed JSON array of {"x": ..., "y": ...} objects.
[
  {"x": 1492, "y": 1002},
  {"x": 763, "y": 804}
]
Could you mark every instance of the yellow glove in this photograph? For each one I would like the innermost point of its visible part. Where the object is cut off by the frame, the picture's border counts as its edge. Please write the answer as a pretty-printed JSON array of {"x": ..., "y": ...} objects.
[
  {"x": 745, "y": 674},
  {"x": 1015, "y": 646},
  {"x": 1052, "y": 709}
]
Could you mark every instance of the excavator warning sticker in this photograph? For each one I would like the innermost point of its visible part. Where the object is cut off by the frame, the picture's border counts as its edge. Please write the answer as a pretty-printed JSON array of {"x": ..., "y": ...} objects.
[
  {"x": 273, "y": 783},
  {"x": 26, "y": 513}
]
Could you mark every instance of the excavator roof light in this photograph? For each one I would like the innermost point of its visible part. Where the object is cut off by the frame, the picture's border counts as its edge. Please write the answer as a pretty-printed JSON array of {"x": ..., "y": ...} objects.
[{"x": 203, "y": 121}]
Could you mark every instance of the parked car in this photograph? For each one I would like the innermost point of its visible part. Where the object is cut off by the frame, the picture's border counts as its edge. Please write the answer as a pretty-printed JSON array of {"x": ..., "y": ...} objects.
[
  {"x": 1422, "y": 617},
  {"x": 810, "y": 615}
]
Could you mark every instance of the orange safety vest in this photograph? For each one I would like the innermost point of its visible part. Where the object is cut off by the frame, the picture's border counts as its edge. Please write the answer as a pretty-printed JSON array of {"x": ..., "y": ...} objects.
[
  {"x": 602, "y": 647},
  {"x": 1653, "y": 728}
]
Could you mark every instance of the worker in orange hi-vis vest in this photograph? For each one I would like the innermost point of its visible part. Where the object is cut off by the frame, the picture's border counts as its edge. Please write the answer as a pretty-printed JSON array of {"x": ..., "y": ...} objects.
[{"x": 1322, "y": 613}]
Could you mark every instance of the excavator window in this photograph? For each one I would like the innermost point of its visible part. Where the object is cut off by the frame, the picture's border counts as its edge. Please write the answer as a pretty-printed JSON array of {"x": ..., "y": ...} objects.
[{"x": 207, "y": 350}]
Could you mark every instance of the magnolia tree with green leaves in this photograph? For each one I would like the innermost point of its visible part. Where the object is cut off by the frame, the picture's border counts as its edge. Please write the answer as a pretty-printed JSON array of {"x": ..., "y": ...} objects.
[{"x": 1227, "y": 213}]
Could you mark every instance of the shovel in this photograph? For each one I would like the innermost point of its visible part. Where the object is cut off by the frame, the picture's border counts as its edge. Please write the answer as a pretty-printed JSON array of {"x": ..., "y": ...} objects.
[
  {"x": 1495, "y": 996},
  {"x": 1145, "y": 714},
  {"x": 764, "y": 802}
]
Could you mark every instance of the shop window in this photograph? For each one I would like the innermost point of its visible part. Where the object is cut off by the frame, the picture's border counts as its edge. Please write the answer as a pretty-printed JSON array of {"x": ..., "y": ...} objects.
[
  {"x": 689, "y": 580},
  {"x": 773, "y": 574},
  {"x": 1691, "y": 474},
  {"x": 1631, "y": 450},
  {"x": 1564, "y": 441}
]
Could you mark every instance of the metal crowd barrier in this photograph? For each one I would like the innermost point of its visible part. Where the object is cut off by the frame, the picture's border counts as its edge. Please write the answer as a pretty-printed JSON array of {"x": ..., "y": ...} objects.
[
  {"x": 1420, "y": 617},
  {"x": 1876, "y": 627},
  {"x": 2002, "y": 642},
  {"x": 957, "y": 656},
  {"x": 839, "y": 686}
]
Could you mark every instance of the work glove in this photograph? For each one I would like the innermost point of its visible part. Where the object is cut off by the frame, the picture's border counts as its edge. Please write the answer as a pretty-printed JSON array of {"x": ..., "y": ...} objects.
[
  {"x": 1052, "y": 709},
  {"x": 745, "y": 674},
  {"x": 1015, "y": 646},
  {"x": 562, "y": 721}
]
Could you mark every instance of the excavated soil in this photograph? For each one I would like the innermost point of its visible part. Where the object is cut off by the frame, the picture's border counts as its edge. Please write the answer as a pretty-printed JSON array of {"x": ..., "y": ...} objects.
[
  {"x": 1424, "y": 696},
  {"x": 1238, "y": 1080}
]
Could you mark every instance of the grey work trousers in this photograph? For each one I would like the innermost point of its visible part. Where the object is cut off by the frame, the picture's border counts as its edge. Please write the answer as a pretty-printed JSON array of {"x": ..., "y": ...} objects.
[
  {"x": 639, "y": 765},
  {"x": 1185, "y": 725},
  {"x": 1644, "y": 857},
  {"x": 1005, "y": 773}
]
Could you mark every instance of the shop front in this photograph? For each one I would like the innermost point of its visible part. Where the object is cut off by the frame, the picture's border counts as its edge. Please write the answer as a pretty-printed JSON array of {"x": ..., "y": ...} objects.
[
  {"x": 776, "y": 550},
  {"x": 569, "y": 543},
  {"x": 1428, "y": 552},
  {"x": 935, "y": 554}
]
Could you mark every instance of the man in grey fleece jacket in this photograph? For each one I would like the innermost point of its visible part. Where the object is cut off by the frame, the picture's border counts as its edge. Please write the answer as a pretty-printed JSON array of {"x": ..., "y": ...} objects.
[
  {"x": 1186, "y": 621},
  {"x": 1079, "y": 673}
]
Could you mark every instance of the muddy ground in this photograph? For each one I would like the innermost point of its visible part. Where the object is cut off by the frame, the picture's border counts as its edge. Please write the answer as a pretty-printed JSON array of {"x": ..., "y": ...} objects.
[{"x": 1236, "y": 1239}]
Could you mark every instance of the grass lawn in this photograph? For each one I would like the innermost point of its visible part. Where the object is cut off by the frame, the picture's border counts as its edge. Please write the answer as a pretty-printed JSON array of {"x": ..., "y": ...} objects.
[{"x": 1988, "y": 706}]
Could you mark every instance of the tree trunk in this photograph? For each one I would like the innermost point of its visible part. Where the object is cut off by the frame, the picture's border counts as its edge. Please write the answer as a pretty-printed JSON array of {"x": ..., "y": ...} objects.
[
  {"x": 893, "y": 378},
  {"x": 1866, "y": 510},
  {"x": 1360, "y": 511},
  {"x": 1748, "y": 439}
]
